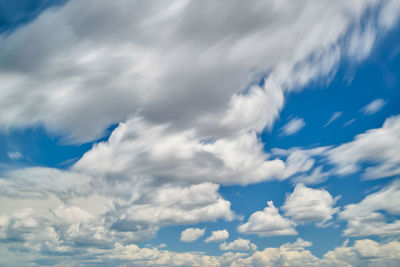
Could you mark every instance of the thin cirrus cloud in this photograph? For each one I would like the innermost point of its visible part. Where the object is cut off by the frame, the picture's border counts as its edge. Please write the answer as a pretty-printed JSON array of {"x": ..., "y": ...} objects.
[
  {"x": 373, "y": 107},
  {"x": 293, "y": 126},
  {"x": 334, "y": 117}
]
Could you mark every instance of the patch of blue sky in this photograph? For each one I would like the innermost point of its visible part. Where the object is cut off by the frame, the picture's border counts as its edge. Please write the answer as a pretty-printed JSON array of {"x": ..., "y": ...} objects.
[{"x": 14, "y": 13}]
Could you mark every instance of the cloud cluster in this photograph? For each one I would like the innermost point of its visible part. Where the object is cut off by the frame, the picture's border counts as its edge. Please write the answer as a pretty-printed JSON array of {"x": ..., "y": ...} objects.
[
  {"x": 303, "y": 205},
  {"x": 238, "y": 245},
  {"x": 374, "y": 153},
  {"x": 309, "y": 205},
  {"x": 192, "y": 85},
  {"x": 371, "y": 216}
]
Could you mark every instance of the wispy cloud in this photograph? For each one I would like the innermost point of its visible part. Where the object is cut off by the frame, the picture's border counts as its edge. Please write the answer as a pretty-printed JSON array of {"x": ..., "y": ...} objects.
[
  {"x": 374, "y": 106},
  {"x": 334, "y": 117},
  {"x": 15, "y": 155},
  {"x": 293, "y": 126}
]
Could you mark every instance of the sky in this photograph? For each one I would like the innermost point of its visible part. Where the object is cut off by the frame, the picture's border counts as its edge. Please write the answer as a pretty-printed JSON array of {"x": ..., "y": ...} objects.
[{"x": 199, "y": 133}]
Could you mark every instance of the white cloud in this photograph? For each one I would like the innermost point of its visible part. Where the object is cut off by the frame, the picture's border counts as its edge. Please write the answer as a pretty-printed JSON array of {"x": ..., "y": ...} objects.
[
  {"x": 334, "y": 117},
  {"x": 137, "y": 148},
  {"x": 218, "y": 236},
  {"x": 374, "y": 106},
  {"x": 293, "y": 126},
  {"x": 136, "y": 62},
  {"x": 306, "y": 205},
  {"x": 374, "y": 153},
  {"x": 238, "y": 245},
  {"x": 364, "y": 252},
  {"x": 191, "y": 234},
  {"x": 368, "y": 218},
  {"x": 15, "y": 155},
  {"x": 378, "y": 146},
  {"x": 268, "y": 223},
  {"x": 182, "y": 77}
]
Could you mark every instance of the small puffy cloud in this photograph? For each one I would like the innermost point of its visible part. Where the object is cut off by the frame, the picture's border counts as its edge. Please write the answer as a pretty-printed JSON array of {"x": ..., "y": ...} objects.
[
  {"x": 293, "y": 126},
  {"x": 217, "y": 236},
  {"x": 374, "y": 106},
  {"x": 370, "y": 216},
  {"x": 15, "y": 155},
  {"x": 309, "y": 205},
  {"x": 238, "y": 245},
  {"x": 334, "y": 117},
  {"x": 268, "y": 222},
  {"x": 191, "y": 234}
]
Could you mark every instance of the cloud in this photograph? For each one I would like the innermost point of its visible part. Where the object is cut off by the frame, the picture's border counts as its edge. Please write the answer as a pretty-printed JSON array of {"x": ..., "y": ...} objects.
[
  {"x": 137, "y": 148},
  {"x": 373, "y": 152},
  {"x": 306, "y": 205},
  {"x": 365, "y": 252},
  {"x": 374, "y": 106},
  {"x": 123, "y": 66},
  {"x": 238, "y": 245},
  {"x": 334, "y": 117},
  {"x": 293, "y": 126},
  {"x": 268, "y": 223},
  {"x": 171, "y": 205},
  {"x": 182, "y": 83},
  {"x": 191, "y": 234},
  {"x": 378, "y": 146},
  {"x": 371, "y": 215},
  {"x": 217, "y": 236},
  {"x": 15, "y": 155}
]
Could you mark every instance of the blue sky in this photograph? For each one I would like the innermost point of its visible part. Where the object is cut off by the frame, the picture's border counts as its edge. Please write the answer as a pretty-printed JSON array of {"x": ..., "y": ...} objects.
[{"x": 199, "y": 133}]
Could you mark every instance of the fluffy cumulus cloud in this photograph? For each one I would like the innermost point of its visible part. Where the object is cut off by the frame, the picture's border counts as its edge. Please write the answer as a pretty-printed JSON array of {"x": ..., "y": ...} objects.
[
  {"x": 371, "y": 216},
  {"x": 138, "y": 149},
  {"x": 309, "y": 205},
  {"x": 191, "y": 234},
  {"x": 268, "y": 222},
  {"x": 217, "y": 236},
  {"x": 365, "y": 252},
  {"x": 238, "y": 245}
]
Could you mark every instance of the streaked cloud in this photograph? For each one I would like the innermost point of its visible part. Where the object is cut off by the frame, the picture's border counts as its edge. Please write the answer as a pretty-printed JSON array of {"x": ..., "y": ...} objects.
[
  {"x": 293, "y": 126},
  {"x": 374, "y": 106},
  {"x": 334, "y": 117}
]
